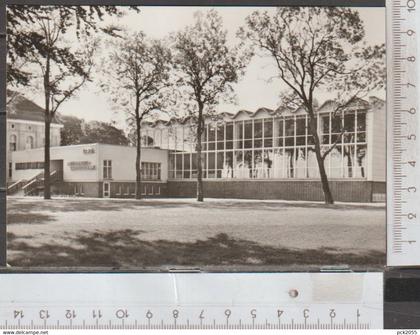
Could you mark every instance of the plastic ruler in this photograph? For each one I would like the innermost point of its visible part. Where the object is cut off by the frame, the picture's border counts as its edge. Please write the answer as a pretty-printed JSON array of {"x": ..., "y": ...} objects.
[
  {"x": 403, "y": 193},
  {"x": 191, "y": 301}
]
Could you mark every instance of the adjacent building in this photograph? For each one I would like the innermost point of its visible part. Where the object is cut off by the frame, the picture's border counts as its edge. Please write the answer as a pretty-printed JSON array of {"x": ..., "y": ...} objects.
[
  {"x": 266, "y": 154},
  {"x": 26, "y": 129}
]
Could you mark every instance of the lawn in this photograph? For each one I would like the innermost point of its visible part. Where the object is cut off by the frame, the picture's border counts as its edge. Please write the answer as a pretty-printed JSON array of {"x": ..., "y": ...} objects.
[{"x": 219, "y": 233}]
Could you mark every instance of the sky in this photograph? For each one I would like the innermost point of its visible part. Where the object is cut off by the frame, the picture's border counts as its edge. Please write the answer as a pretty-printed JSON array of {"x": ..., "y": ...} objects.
[{"x": 252, "y": 91}]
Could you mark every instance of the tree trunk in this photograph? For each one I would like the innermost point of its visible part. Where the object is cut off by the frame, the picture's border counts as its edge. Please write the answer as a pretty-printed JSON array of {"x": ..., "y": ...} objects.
[
  {"x": 138, "y": 158},
  {"x": 47, "y": 184},
  {"x": 349, "y": 164},
  {"x": 324, "y": 179},
  {"x": 200, "y": 196}
]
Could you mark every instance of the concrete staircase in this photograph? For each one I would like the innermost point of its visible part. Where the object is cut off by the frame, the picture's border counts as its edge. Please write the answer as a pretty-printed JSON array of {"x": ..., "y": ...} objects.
[{"x": 32, "y": 186}]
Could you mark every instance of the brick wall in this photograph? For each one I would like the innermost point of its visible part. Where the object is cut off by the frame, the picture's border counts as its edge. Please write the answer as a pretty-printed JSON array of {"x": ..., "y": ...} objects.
[
  {"x": 90, "y": 189},
  {"x": 310, "y": 190},
  {"x": 127, "y": 189},
  {"x": 118, "y": 189}
]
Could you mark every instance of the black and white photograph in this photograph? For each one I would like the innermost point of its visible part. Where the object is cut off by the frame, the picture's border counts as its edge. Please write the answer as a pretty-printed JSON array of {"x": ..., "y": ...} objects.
[{"x": 224, "y": 138}]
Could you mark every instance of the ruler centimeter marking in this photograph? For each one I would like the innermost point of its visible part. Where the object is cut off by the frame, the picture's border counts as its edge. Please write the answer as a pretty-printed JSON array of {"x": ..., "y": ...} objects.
[
  {"x": 403, "y": 229},
  {"x": 202, "y": 301},
  {"x": 123, "y": 319}
]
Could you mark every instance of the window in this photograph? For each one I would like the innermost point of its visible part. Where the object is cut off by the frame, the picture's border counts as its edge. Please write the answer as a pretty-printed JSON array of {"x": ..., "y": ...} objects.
[
  {"x": 229, "y": 136},
  {"x": 268, "y": 133},
  {"x": 300, "y": 131},
  {"x": 220, "y": 137},
  {"x": 12, "y": 143},
  {"x": 152, "y": 171},
  {"x": 79, "y": 189},
  {"x": 10, "y": 170},
  {"x": 29, "y": 142},
  {"x": 248, "y": 134},
  {"x": 187, "y": 166},
  {"x": 29, "y": 165},
  {"x": 276, "y": 147},
  {"x": 107, "y": 169}
]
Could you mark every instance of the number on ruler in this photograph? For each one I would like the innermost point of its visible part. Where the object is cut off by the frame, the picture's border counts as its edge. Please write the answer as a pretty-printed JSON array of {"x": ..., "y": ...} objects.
[
  {"x": 18, "y": 314},
  {"x": 121, "y": 313},
  {"x": 70, "y": 314},
  {"x": 411, "y": 189},
  {"x": 411, "y": 5},
  {"x": 149, "y": 315},
  {"x": 44, "y": 314}
]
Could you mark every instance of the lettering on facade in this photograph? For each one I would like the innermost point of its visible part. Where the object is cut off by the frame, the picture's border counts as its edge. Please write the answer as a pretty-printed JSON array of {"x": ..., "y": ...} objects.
[
  {"x": 88, "y": 151},
  {"x": 81, "y": 165}
]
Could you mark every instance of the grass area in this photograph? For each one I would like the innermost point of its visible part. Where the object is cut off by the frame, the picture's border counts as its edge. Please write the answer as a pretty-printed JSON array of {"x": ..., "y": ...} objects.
[{"x": 164, "y": 232}]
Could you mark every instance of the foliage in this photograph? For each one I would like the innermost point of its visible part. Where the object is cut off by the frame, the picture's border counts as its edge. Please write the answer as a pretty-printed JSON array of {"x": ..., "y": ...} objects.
[
  {"x": 25, "y": 43},
  {"x": 205, "y": 65},
  {"x": 77, "y": 131},
  {"x": 60, "y": 67},
  {"x": 72, "y": 131},
  {"x": 318, "y": 48},
  {"x": 138, "y": 83},
  {"x": 40, "y": 36},
  {"x": 103, "y": 132},
  {"x": 314, "y": 49},
  {"x": 138, "y": 80},
  {"x": 205, "y": 69}
]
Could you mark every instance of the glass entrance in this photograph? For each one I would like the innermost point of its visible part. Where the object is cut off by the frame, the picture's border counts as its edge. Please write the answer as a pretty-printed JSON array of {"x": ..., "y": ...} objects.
[{"x": 106, "y": 189}]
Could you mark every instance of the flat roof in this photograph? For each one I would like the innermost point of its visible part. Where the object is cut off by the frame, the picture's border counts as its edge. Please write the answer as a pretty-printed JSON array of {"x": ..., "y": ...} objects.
[{"x": 91, "y": 144}]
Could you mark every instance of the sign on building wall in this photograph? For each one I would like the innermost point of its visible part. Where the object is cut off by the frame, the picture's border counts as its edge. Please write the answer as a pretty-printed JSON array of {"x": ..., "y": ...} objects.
[
  {"x": 81, "y": 165},
  {"x": 88, "y": 151}
]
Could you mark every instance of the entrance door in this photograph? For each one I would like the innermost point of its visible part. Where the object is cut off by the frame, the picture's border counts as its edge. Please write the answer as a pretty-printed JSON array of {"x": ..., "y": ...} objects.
[{"x": 106, "y": 189}]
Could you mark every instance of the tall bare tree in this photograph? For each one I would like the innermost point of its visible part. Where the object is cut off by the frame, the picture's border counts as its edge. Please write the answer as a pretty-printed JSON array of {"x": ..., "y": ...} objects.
[
  {"x": 206, "y": 66},
  {"x": 318, "y": 49},
  {"x": 137, "y": 82}
]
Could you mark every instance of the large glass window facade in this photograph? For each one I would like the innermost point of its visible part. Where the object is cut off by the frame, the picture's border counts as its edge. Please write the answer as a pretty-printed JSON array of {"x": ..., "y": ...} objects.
[
  {"x": 269, "y": 148},
  {"x": 150, "y": 171}
]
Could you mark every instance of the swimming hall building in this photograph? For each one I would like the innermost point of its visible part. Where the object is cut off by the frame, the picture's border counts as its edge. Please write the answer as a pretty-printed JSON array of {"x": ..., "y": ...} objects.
[{"x": 265, "y": 154}]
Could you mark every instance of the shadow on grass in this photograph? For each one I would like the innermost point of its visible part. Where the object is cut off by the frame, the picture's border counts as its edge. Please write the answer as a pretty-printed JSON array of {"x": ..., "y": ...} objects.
[
  {"x": 125, "y": 249},
  {"x": 29, "y": 218},
  {"x": 19, "y": 205}
]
